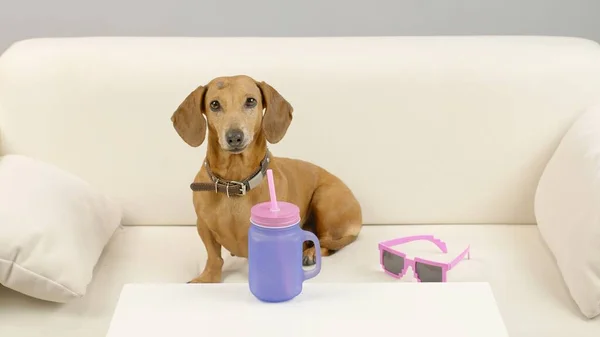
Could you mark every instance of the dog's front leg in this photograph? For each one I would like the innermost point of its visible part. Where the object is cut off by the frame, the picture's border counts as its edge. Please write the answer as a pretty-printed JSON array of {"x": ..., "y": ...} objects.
[{"x": 214, "y": 261}]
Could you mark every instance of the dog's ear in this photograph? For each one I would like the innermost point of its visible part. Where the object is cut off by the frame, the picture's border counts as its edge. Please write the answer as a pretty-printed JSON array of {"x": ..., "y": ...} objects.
[
  {"x": 278, "y": 113},
  {"x": 189, "y": 120}
]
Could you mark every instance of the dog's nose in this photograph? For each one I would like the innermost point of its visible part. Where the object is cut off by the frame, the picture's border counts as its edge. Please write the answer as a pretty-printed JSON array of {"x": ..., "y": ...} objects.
[{"x": 235, "y": 137}]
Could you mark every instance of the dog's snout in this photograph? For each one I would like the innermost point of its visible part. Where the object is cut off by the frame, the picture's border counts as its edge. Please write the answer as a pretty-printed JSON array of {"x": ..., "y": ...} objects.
[{"x": 235, "y": 137}]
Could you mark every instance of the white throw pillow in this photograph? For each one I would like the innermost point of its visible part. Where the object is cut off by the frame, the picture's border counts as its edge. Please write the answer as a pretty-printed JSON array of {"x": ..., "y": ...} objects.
[
  {"x": 53, "y": 228},
  {"x": 567, "y": 208}
]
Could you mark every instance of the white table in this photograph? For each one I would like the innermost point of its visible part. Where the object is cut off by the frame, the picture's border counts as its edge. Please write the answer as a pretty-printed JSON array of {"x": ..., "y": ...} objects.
[{"x": 323, "y": 309}]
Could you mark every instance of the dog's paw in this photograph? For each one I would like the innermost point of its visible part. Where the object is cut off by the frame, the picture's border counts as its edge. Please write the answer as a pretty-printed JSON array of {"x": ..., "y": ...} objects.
[
  {"x": 207, "y": 278},
  {"x": 309, "y": 257}
]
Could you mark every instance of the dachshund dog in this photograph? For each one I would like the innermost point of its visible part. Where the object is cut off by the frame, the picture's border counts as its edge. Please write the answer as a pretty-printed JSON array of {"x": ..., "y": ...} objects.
[{"x": 241, "y": 115}]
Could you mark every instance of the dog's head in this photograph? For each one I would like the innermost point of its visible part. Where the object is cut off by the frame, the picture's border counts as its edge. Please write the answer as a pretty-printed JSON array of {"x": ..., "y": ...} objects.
[{"x": 237, "y": 110}]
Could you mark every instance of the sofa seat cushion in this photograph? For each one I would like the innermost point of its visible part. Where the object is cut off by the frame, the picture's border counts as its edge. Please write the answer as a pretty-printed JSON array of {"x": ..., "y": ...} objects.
[{"x": 526, "y": 282}]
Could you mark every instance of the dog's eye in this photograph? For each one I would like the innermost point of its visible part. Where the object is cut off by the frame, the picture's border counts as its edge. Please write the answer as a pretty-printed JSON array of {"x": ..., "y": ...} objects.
[
  {"x": 250, "y": 102},
  {"x": 215, "y": 105}
]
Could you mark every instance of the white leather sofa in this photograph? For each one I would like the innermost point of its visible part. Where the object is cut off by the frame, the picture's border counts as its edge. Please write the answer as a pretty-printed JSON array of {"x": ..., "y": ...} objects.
[{"x": 436, "y": 135}]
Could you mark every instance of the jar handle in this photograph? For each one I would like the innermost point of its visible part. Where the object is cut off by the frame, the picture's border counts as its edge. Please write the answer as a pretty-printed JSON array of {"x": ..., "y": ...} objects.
[{"x": 308, "y": 274}]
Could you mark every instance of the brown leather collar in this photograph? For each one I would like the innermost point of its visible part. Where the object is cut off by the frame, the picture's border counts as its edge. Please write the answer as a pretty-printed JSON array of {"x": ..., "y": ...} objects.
[{"x": 232, "y": 187}]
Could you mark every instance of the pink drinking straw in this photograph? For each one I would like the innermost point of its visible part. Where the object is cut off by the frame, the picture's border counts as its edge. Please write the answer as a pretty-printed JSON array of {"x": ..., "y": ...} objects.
[{"x": 274, "y": 206}]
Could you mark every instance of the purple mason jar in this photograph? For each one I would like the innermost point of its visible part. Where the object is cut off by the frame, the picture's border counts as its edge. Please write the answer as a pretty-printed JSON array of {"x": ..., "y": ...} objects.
[{"x": 275, "y": 243}]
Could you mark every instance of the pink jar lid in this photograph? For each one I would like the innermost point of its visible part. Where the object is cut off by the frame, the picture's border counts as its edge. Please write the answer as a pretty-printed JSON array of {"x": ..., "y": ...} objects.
[{"x": 287, "y": 215}]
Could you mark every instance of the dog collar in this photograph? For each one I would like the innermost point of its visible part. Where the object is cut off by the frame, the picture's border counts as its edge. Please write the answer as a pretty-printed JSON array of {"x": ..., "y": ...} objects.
[{"x": 232, "y": 187}]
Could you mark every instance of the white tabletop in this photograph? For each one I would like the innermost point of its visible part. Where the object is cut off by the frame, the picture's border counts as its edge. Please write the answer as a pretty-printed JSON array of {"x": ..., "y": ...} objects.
[{"x": 323, "y": 309}]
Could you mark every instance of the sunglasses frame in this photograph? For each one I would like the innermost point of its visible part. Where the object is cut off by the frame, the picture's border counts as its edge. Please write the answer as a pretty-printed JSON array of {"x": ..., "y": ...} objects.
[{"x": 386, "y": 246}]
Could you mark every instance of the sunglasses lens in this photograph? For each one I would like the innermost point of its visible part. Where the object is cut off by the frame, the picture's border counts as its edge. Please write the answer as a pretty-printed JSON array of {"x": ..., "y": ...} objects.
[
  {"x": 428, "y": 273},
  {"x": 393, "y": 263}
]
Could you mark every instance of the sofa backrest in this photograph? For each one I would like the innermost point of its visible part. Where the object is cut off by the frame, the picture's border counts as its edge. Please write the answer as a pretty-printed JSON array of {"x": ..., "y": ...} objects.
[{"x": 423, "y": 129}]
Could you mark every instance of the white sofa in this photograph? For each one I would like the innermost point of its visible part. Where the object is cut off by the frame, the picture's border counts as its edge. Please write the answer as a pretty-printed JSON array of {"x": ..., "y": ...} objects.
[{"x": 435, "y": 135}]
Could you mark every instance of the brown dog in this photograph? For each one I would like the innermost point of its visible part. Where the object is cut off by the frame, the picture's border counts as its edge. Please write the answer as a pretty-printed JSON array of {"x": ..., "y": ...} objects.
[{"x": 231, "y": 180}]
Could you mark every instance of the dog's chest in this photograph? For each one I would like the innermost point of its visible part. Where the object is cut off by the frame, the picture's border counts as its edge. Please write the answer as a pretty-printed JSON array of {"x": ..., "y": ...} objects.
[
  {"x": 235, "y": 216},
  {"x": 229, "y": 219}
]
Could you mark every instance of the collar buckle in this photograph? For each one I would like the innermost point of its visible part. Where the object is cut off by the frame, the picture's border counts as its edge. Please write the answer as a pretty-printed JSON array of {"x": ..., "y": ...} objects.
[{"x": 241, "y": 185}]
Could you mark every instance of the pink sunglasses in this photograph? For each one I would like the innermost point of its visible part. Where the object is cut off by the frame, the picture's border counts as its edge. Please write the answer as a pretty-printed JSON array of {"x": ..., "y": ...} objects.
[{"x": 395, "y": 263}]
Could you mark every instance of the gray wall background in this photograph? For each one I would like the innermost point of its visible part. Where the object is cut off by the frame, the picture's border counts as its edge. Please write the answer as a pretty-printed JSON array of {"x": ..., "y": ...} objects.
[{"x": 20, "y": 19}]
